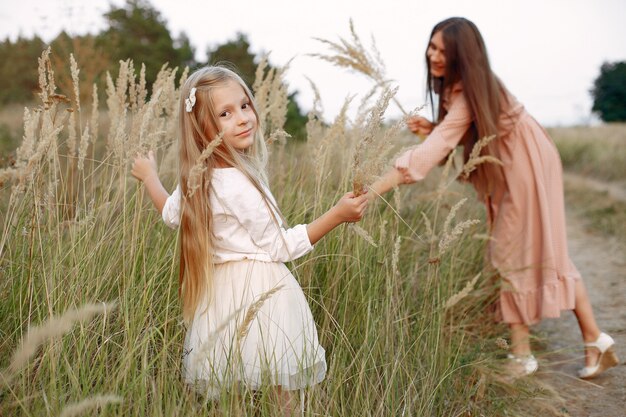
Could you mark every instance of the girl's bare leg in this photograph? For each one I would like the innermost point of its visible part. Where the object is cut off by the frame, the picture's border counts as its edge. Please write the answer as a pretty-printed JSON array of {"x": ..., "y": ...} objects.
[
  {"x": 586, "y": 322},
  {"x": 288, "y": 402}
]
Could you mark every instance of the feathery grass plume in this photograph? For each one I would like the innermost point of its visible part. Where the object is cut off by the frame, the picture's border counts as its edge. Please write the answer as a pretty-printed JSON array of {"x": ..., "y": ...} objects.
[
  {"x": 85, "y": 406},
  {"x": 71, "y": 138},
  {"x": 132, "y": 88},
  {"x": 314, "y": 125},
  {"x": 397, "y": 202},
  {"x": 197, "y": 171},
  {"x": 116, "y": 103},
  {"x": 142, "y": 91},
  {"x": 82, "y": 149},
  {"x": 452, "y": 214},
  {"x": 94, "y": 112},
  {"x": 46, "y": 78},
  {"x": 448, "y": 236},
  {"x": 164, "y": 108},
  {"x": 365, "y": 163},
  {"x": 379, "y": 154},
  {"x": 51, "y": 127},
  {"x": 253, "y": 310},
  {"x": 52, "y": 328},
  {"x": 75, "y": 81},
  {"x": 395, "y": 257},
  {"x": 361, "y": 232},
  {"x": 502, "y": 343},
  {"x": 144, "y": 123},
  {"x": 41, "y": 130},
  {"x": 271, "y": 98},
  {"x": 351, "y": 54},
  {"x": 26, "y": 149},
  {"x": 475, "y": 159},
  {"x": 365, "y": 108},
  {"x": 382, "y": 233},
  {"x": 261, "y": 86},
  {"x": 461, "y": 294},
  {"x": 335, "y": 134},
  {"x": 429, "y": 229}
]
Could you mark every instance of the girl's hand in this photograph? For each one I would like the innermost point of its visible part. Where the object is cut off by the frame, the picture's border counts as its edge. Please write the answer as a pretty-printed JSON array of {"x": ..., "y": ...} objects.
[
  {"x": 350, "y": 208},
  {"x": 144, "y": 167},
  {"x": 420, "y": 125}
]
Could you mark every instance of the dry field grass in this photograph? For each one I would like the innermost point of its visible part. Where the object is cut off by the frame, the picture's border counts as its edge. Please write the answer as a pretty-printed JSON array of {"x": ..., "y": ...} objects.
[{"x": 90, "y": 318}]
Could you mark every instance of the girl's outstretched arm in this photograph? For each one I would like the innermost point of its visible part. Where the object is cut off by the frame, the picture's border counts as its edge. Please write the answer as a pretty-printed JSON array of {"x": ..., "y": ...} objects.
[
  {"x": 348, "y": 209},
  {"x": 145, "y": 170}
]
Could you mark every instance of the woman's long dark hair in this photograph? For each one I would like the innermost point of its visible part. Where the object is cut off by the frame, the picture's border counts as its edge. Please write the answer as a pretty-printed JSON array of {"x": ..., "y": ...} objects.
[{"x": 467, "y": 62}]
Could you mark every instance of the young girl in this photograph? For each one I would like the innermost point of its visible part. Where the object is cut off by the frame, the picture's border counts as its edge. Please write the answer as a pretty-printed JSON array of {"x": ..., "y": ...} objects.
[
  {"x": 233, "y": 245},
  {"x": 524, "y": 196}
]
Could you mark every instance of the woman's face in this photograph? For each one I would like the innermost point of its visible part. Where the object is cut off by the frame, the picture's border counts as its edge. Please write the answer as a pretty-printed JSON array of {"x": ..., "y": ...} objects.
[{"x": 436, "y": 55}]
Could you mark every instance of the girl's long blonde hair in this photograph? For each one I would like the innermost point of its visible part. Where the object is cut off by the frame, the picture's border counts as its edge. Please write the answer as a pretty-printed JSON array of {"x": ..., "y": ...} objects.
[{"x": 198, "y": 129}]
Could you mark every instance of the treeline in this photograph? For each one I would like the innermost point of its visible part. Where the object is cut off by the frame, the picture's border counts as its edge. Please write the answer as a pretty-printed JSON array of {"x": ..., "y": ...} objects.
[{"x": 136, "y": 31}]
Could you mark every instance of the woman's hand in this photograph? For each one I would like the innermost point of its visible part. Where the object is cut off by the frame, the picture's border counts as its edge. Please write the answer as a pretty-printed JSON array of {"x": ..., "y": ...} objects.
[
  {"x": 144, "y": 167},
  {"x": 420, "y": 125}
]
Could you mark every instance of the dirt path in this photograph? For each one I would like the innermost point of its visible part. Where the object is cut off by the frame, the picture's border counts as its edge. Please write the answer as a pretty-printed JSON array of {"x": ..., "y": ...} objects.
[
  {"x": 617, "y": 191},
  {"x": 602, "y": 263}
]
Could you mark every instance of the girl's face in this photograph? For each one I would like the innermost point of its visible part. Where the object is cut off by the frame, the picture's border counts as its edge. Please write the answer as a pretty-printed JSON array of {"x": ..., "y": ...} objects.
[
  {"x": 436, "y": 56},
  {"x": 235, "y": 116}
]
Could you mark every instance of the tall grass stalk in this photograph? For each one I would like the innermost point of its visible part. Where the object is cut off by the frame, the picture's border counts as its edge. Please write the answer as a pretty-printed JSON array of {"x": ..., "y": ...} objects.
[{"x": 392, "y": 346}]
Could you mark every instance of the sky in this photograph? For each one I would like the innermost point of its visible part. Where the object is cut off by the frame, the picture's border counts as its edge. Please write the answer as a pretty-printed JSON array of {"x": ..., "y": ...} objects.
[{"x": 547, "y": 52}]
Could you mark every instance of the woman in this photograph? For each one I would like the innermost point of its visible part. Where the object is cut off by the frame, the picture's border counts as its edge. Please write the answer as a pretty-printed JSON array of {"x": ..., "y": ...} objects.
[{"x": 523, "y": 196}]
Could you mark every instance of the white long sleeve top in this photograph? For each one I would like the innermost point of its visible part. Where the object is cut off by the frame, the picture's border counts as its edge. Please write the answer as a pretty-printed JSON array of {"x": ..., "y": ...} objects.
[{"x": 243, "y": 227}]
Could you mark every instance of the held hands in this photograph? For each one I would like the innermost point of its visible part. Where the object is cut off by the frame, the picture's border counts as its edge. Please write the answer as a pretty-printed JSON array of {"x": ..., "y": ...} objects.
[
  {"x": 350, "y": 208},
  {"x": 420, "y": 125},
  {"x": 144, "y": 167}
]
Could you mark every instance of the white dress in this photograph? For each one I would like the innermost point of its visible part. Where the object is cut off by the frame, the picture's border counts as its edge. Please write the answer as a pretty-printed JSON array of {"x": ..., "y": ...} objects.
[{"x": 281, "y": 346}]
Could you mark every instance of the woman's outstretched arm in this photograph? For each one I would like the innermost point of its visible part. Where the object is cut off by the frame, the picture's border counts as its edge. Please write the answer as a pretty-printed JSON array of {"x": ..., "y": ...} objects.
[{"x": 389, "y": 180}]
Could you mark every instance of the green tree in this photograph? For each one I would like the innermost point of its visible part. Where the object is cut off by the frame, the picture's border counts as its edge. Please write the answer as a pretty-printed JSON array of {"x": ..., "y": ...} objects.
[
  {"x": 19, "y": 81},
  {"x": 138, "y": 31},
  {"x": 92, "y": 62},
  {"x": 236, "y": 54},
  {"x": 609, "y": 92},
  {"x": 296, "y": 119}
]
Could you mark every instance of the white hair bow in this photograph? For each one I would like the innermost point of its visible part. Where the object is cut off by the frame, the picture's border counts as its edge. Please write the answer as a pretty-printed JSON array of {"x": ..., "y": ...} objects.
[{"x": 191, "y": 100}]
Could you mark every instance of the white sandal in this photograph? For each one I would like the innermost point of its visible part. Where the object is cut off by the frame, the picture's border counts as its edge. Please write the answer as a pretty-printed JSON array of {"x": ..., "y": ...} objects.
[
  {"x": 606, "y": 360},
  {"x": 527, "y": 365}
]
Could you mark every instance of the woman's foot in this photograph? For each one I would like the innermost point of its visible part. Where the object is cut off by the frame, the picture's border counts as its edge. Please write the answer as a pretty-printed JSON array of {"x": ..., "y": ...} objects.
[
  {"x": 520, "y": 366},
  {"x": 602, "y": 351}
]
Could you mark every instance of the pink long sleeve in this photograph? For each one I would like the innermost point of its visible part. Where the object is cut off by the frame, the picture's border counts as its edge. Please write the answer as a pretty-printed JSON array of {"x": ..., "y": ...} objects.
[{"x": 417, "y": 162}]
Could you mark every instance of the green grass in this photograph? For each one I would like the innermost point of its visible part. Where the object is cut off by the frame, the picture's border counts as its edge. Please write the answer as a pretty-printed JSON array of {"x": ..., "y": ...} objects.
[
  {"x": 599, "y": 152},
  {"x": 73, "y": 237},
  {"x": 601, "y": 212}
]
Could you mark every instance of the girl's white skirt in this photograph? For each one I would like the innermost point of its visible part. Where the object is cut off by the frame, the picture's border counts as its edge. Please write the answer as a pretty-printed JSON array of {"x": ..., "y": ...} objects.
[{"x": 230, "y": 342}]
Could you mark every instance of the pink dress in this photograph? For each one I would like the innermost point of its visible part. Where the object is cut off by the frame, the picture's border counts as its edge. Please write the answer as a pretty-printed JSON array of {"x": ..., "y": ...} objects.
[{"x": 525, "y": 209}]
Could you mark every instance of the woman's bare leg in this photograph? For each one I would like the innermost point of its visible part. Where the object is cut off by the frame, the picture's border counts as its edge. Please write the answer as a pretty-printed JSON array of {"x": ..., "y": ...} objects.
[
  {"x": 586, "y": 321},
  {"x": 520, "y": 339}
]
